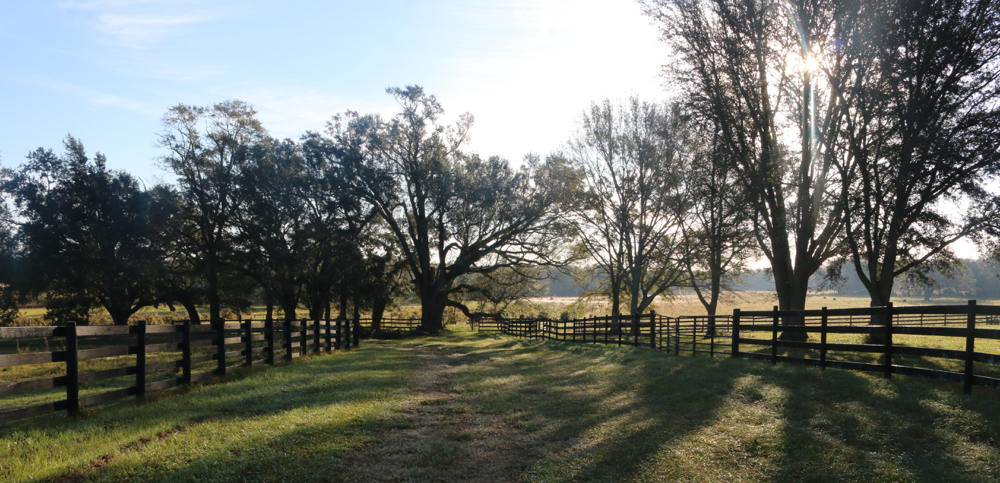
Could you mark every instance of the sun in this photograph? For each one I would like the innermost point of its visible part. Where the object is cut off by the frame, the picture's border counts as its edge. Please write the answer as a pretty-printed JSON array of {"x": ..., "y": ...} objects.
[{"x": 807, "y": 64}]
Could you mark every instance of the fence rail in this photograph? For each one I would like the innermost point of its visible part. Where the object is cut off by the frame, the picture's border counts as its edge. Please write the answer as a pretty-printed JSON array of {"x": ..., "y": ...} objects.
[
  {"x": 946, "y": 342},
  {"x": 100, "y": 364},
  {"x": 401, "y": 325}
]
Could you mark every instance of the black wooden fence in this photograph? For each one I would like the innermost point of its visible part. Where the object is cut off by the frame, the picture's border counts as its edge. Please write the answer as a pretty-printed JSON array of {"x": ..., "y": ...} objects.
[
  {"x": 938, "y": 342},
  {"x": 394, "y": 325},
  {"x": 86, "y": 360}
]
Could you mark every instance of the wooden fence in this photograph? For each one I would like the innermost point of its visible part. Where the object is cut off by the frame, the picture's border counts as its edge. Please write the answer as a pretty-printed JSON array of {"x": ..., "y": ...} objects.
[
  {"x": 99, "y": 364},
  {"x": 938, "y": 342},
  {"x": 398, "y": 325}
]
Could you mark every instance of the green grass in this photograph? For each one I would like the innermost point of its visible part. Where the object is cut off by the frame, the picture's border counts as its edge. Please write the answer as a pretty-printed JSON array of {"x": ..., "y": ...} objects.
[{"x": 467, "y": 406}]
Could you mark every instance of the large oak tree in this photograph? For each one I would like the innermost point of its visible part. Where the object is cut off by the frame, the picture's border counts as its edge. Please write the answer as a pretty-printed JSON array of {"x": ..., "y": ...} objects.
[{"x": 451, "y": 213}]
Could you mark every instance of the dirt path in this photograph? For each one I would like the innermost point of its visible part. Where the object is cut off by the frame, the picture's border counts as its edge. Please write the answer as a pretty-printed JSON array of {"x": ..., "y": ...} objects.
[{"x": 443, "y": 437}]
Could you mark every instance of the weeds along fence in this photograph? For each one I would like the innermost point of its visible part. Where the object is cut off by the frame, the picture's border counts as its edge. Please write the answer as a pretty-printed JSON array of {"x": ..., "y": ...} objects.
[
  {"x": 958, "y": 343},
  {"x": 66, "y": 368}
]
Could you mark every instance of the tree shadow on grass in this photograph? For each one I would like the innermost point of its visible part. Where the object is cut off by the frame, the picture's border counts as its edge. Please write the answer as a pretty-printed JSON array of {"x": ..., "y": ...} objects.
[
  {"x": 601, "y": 414},
  {"x": 846, "y": 425},
  {"x": 341, "y": 379},
  {"x": 595, "y": 413}
]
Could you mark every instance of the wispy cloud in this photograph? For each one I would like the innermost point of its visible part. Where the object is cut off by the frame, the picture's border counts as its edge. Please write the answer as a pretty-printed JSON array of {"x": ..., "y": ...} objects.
[
  {"x": 102, "y": 98},
  {"x": 105, "y": 4},
  {"x": 141, "y": 31},
  {"x": 141, "y": 23}
]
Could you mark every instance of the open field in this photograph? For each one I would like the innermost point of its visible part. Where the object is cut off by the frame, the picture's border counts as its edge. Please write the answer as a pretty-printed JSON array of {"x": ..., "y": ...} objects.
[
  {"x": 682, "y": 304},
  {"x": 466, "y": 406}
]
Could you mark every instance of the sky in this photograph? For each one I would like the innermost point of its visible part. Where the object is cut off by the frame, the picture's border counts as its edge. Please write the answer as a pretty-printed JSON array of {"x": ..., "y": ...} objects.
[{"x": 106, "y": 71}]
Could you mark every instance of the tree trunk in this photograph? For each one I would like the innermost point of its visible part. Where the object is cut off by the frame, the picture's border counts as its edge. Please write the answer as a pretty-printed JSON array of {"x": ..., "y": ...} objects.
[
  {"x": 342, "y": 310},
  {"x": 192, "y": 312},
  {"x": 378, "y": 308},
  {"x": 616, "y": 301},
  {"x": 120, "y": 317},
  {"x": 792, "y": 290},
  {"x": 214, "y": 304},
  {"x": 288, "y": 306},
  {"x": 432, "y": 303},
  {"x": 880, "y": 295}
]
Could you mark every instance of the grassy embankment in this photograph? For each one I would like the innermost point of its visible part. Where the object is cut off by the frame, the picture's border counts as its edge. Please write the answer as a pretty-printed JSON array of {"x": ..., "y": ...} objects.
[{"x": 466, "y": 406}]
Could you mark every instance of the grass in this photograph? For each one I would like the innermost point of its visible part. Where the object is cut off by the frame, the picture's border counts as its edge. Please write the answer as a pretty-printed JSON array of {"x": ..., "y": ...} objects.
[{"x": 474, "y": 407}]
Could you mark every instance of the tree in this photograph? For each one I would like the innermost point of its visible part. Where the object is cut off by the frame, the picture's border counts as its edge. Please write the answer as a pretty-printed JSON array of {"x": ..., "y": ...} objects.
[
  {"x": 207, "y": 147},
  {"x": 180, "y": 279},
  {"x": 11, "y": 267},
  {"x": 91, "y": 234},
  {"x": 341, "y": 225},
  {"x": 451, "y": 213},
  {"x": 716, "y": 220},
  {"x": 495, "y": 292},
  {"x": 626, "y": 218},
  {"x": 748, "y": 66},
  {"x": 272, "y": 237},
  {"x": 921, "y": 80}
]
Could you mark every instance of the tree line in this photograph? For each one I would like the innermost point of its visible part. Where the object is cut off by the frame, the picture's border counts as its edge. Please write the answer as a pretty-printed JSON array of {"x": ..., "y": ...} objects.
[{"x": 813, "y": 133}]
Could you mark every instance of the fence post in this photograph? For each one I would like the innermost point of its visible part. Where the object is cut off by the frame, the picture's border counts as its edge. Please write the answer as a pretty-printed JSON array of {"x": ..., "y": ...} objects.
[
  {"x": 316, "y": 336},
  {"x": 220, "y": 351},
  {"x": 774, "y": 337},
  {"x": 269, "y": 339},
  {"x": 357, "y": 331},
  {"x": 711, "y": 335},
  {"x": 186, "y": 352},
  {"x": 288, "y": 339},
  {"x": 140, "y": 359},
  {"x": 248, "y": 342},
  {"x": 970, "y": 347},
  {"x": 72, "y": 371},
  {"x": 822, "y": 338},
  {"x": 736, "y": 332},
  {"x": 677, "y": 336},
  {"x": 347, "y": 334},
  {"x": 652, "y": 329},
  {"x": 694, "y": 337},
  {"x": 887, "y": 362},
  {"x": 635, "y": 329},
  {"x": 329, "y": 340},
  {"x": 303, "y": 337}
]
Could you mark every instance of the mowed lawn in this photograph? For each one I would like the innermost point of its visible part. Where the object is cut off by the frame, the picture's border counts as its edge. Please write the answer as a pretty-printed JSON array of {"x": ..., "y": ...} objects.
[{"x": 473, "y": 407}]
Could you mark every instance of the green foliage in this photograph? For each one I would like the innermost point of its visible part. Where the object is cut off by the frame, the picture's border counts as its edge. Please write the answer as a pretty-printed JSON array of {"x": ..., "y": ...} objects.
[{"x": 91, "y": 235}]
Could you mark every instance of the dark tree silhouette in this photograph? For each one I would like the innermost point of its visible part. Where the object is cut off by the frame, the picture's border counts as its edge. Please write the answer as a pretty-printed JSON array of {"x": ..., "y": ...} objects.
[
  {"x": 272, "y": 236},
  {"x": 716, "y": 221},
  {"x": 748, "y": 66},
  {"x": 921, "y": 80},
  {"x": 626, "y": 217},
  {"x": 450, "y": 213},
  {"x": 207, "y": 147},
  {"x": 91, "y": 234}
]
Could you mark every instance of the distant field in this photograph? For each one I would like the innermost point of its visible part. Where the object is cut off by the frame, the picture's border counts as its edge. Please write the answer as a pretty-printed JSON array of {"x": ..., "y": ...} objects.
[
  {"x": 688, "y": 304},
  {"x": 685, "y": 304}
]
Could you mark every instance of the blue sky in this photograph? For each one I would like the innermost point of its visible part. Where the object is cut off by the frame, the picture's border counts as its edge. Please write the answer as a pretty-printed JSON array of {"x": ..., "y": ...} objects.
[{"x": 106, "y": 70}]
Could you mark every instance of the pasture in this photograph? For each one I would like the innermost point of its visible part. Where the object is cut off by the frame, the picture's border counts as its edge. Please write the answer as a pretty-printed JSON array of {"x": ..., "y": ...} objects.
[{"x": 473, "y": 406}]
